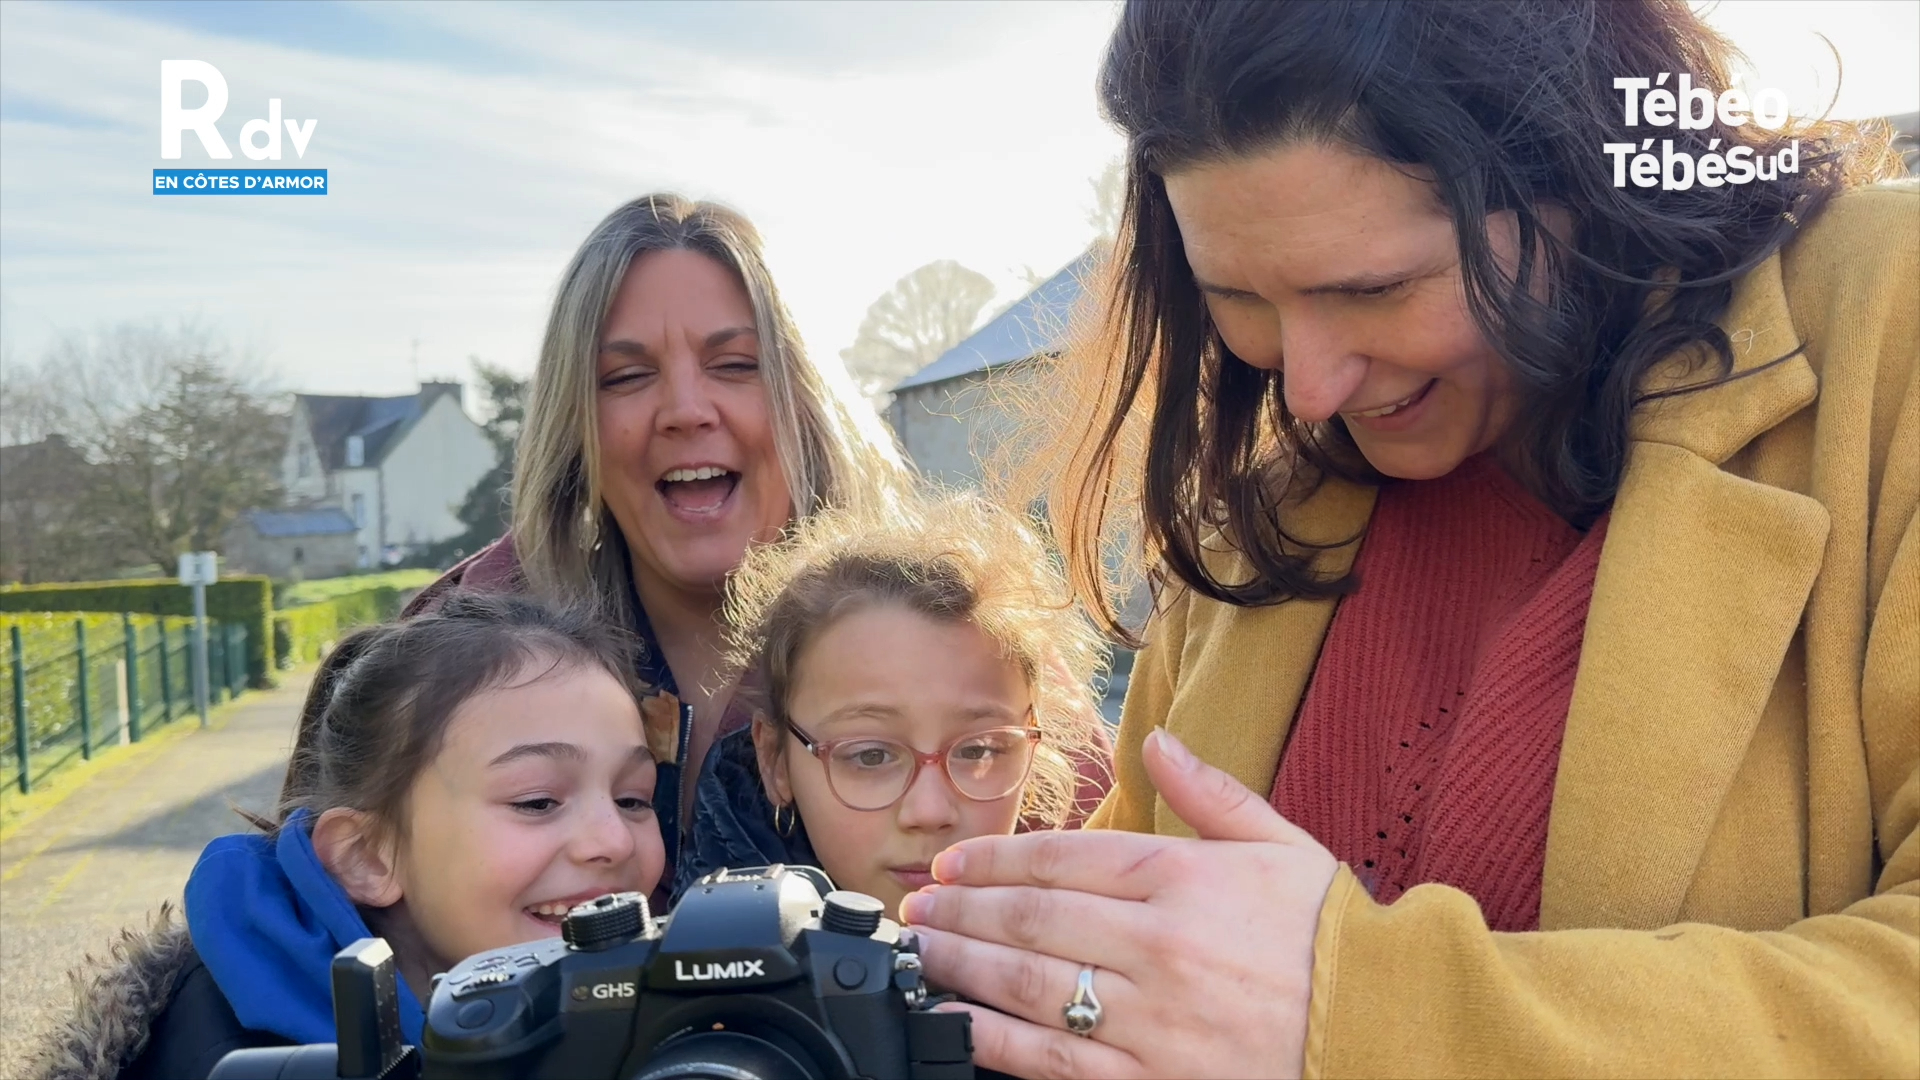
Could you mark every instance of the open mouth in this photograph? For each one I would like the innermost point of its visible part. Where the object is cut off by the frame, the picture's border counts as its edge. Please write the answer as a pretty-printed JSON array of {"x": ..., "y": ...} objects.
[
  {"x": 1407, "y": 402},
  {"x": 553, "y": 913},
  {"x": 698, "y": 491}
]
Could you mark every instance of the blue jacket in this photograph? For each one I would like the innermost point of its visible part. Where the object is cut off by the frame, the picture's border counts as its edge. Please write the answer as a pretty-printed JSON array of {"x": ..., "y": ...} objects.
[
  {"x": 266, "y": 919},
  {"x": 733, "y": 818}
]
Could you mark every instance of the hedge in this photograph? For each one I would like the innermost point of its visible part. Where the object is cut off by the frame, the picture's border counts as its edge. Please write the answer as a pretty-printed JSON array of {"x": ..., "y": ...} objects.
[
  {"x": 304, "y": 634},
  {"x": 243, "y": 598},
  {"x": 316, "y": 590}
]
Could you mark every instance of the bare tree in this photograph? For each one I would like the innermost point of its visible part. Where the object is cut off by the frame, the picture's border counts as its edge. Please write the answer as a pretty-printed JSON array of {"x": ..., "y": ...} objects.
[
  {"x": 176, "y": 439},
  {"x": 923, "y": 315}
]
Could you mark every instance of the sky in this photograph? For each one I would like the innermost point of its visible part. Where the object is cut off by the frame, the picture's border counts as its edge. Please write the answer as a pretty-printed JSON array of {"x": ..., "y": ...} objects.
[{"x": 470, "y": 147}]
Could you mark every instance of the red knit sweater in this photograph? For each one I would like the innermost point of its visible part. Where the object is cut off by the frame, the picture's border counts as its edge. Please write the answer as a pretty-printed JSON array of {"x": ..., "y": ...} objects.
[{"x": 1427, "y": 743}]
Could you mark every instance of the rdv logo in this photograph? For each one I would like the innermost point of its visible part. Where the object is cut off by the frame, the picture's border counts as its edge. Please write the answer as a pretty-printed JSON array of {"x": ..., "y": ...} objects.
[
  {"x": 737, "y": 969},
  {"x": 176, "y": 119}
]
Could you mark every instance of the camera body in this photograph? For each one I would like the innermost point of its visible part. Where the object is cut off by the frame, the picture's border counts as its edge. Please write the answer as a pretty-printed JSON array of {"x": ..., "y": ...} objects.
[{"x": 755, "y": 974}]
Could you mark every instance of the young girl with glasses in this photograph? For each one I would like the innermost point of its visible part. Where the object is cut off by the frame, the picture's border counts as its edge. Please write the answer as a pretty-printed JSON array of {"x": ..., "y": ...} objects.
[{"x": 916, "y": 680}]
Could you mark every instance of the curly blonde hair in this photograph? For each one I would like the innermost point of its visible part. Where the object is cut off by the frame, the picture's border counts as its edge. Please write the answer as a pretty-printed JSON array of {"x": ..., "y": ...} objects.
[{"x": 954, "y": 558}]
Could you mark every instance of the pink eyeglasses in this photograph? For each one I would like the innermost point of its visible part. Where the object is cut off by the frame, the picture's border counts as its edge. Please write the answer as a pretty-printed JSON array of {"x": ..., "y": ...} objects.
[{"x": 866, "y": 772}]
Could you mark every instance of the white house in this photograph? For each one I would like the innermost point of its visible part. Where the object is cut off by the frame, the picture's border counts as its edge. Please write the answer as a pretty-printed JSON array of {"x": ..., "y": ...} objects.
[{"x": 398, "y": 466}]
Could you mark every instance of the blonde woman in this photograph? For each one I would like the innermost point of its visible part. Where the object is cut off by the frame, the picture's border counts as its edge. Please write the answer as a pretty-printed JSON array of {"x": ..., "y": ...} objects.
[{"x": 674, "y": 421}]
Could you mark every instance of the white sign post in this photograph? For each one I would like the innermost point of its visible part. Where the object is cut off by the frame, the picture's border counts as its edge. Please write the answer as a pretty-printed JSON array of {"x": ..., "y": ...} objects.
[{"x": 199, "y": 569}]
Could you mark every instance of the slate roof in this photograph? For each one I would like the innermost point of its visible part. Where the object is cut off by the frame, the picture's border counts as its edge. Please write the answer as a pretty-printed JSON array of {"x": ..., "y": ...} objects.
[
  {"x": 51, "y": 452},
  {"x": 377, "y": 420},
  {"x": 1035, "y": 324},
  {"x": 321, "y": 521}
]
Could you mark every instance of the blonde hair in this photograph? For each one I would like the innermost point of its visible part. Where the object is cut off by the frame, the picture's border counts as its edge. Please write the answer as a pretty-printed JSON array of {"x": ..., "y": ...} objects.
[
  {"x": 956, "y": 558},
  {"x": 833, "y": 450}
]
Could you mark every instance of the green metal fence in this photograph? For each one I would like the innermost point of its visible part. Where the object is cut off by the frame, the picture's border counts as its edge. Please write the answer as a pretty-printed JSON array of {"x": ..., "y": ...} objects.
[{"x": 76, "y": 683}]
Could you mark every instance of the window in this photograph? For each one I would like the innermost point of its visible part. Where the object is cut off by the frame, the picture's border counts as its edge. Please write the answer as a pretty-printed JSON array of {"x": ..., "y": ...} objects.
[
  {"x": 306, "y": 460},
  {"x": 360, "y": 510},
  {"x": 356, "y": 451}
]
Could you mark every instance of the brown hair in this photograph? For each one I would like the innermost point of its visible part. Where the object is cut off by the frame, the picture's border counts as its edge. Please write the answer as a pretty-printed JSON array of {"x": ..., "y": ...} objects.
[
  {"x": 379, "y": 705},
  {"x": 1507, "y": 103},
  {"x": 956, "y": 558}
]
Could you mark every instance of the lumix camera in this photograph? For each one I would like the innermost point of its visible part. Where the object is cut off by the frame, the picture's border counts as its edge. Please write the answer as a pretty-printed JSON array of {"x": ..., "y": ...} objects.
[{"x": 756, "y": 974}]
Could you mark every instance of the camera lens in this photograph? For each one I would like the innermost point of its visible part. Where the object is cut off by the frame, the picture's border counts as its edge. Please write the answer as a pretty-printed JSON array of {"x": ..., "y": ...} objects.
[{"x": 724, "y": 1055}]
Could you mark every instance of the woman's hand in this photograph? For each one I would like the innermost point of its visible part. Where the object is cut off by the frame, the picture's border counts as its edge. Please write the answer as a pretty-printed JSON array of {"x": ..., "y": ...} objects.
[{"x": 1203, "y": 949}]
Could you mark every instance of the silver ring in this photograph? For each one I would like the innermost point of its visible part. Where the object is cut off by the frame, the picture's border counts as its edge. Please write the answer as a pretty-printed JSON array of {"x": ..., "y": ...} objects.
[{"x": 1083, "y": 1012}]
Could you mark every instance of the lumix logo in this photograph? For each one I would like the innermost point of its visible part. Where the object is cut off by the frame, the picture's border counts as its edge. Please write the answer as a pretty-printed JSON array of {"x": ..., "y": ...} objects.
[{"x": 736, "y": 969}]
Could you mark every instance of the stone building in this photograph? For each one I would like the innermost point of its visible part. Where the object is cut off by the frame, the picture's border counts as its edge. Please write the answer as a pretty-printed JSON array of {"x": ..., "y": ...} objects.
[
  {"x": 292, "y": 544},
  {"x": 951, "y": 416}
]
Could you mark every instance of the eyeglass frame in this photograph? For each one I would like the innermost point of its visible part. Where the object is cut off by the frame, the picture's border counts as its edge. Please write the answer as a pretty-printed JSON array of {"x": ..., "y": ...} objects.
[{"x": 1031, "y": 731}]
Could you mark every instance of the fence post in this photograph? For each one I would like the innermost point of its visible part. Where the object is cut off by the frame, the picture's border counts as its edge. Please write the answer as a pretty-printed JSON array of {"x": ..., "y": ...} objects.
[
  {"x": 133, "y": 676},
  {"x": 216, "y": 666},
  {"x": 86, "y": 704},
  {"x": 236, "y": 659},
  {"x": 166, "y": 676},
  {"x": 20, "y": 713},
  {"x": 123, "y": 720}
]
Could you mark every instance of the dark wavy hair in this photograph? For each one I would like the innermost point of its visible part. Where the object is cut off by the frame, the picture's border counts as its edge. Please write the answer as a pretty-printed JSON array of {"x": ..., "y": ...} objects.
[
  {"x": 1507, "y": 103},
  {"x": 378, "y": 708}
]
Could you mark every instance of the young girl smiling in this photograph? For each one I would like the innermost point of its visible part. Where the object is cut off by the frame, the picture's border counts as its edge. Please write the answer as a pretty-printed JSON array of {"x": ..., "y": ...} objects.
[
  {"x": 458, "y": 782},
  {"x": 916, "y": 680}
]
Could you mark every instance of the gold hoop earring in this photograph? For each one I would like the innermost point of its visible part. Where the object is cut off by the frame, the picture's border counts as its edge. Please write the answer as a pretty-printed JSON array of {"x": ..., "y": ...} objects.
[{"x": 785, "y": 825}]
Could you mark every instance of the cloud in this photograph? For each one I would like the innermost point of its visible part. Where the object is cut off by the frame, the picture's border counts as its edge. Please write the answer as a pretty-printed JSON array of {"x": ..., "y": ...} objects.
[{"x": 459, "y": 191}]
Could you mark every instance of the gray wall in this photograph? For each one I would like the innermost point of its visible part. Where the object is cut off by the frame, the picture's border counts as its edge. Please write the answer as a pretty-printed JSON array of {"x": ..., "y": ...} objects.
[
  {"x": 950, "y": 431},
  {"x": 329, "y": 555}
]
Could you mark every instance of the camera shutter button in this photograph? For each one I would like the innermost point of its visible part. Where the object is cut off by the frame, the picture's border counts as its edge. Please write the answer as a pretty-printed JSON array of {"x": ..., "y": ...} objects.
[
  {"x": 606, "y": 921},
  {"x": 850, "y": 973},
  {"x": 852, "y": 913}
]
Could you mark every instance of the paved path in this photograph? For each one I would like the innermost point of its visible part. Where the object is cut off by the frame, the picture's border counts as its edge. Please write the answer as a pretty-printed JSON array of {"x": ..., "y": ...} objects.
[{"x": 110, "y": 852}]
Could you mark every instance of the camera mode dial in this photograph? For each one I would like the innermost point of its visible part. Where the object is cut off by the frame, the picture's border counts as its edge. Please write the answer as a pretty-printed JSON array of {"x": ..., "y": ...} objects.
[
  {"x": 852, "y": 913},
  {"x": 604, "y": 921}
]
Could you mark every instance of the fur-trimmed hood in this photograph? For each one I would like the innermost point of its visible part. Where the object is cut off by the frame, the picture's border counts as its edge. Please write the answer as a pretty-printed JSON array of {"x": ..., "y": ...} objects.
[{"x": 117, "y": 1000}]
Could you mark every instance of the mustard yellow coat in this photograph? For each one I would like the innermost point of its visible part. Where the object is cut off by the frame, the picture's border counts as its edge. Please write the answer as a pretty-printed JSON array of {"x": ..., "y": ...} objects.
[{"x": 1732, "y": 881}]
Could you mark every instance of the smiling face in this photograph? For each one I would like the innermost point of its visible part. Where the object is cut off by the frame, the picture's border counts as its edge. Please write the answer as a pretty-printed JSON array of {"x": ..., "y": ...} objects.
[
  {"x": 540, "y": 798},
  {"x": 1343, "y": 272},
  {"x": 689, "y": 466},
  {"x": 890, "y": 673}
]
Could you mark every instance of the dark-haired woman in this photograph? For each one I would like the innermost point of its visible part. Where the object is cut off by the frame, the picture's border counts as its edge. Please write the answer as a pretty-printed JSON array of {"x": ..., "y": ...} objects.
[{"x": 1535, "y": 685}]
